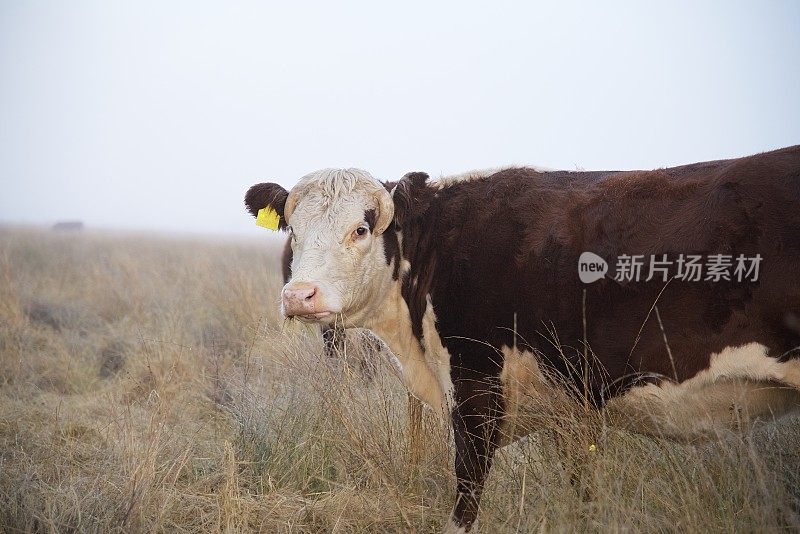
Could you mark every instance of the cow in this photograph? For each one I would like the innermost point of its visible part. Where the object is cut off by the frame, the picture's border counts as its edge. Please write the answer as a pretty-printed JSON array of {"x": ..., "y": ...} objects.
[
  {"x": 488, "y": 285},
  {"x": 68, "y": 226}
]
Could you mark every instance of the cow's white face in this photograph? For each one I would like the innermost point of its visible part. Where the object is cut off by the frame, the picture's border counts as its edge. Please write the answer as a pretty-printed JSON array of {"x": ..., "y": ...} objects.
[{"x": 336, "y": 218}]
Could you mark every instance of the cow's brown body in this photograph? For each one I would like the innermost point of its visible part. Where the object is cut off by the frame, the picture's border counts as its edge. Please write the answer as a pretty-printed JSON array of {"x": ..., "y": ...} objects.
[{"x": 486, "y": 250}]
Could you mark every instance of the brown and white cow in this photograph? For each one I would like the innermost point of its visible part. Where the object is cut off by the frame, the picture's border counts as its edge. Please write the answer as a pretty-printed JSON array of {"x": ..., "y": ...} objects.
[{"x": 469, "y": 280}]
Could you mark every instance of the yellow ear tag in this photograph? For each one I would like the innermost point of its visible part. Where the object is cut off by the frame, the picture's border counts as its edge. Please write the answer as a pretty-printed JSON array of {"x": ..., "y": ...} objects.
[{"x": 268, "y": 218}]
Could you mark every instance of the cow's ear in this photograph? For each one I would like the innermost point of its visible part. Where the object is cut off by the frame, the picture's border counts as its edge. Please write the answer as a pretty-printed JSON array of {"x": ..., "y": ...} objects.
[
  {"x": 410, "y": 195},
  {"x": 270, "y": 195}
]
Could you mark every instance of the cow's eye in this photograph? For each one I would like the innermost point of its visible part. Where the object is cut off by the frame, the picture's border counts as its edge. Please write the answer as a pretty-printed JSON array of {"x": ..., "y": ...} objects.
[{"x": 360, "y": 232}]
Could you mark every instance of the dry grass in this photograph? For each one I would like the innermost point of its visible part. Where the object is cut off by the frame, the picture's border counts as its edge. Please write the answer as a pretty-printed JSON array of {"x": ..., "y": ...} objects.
[{"x": 149, "y": 385}]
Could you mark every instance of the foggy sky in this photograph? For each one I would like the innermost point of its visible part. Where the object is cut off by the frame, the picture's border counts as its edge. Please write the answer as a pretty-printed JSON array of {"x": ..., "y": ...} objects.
[{"x": 159, "y": 115}]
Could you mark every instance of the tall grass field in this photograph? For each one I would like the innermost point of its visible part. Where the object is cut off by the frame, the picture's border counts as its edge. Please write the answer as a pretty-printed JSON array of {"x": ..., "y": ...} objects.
[{"x": 149, "y": 384}]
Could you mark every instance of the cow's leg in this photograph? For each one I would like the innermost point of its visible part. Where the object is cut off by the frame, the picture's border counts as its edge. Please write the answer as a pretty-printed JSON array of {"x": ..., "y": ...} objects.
[{"x": 476, "y": 422}]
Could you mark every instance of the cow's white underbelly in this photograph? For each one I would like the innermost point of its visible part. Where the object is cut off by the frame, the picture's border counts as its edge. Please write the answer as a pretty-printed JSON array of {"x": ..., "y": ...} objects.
[{"x": 741, "y": 385}]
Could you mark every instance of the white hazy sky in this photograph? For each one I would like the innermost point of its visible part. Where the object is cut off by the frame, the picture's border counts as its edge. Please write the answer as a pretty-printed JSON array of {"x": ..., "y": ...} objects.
[{"x": 159, "y": 115}]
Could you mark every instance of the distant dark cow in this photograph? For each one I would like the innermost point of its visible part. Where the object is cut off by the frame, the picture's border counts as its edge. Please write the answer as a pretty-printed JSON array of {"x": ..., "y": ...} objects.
[
  {"x": 68, "y": 226},
  {"x": 489, "y": 286}
]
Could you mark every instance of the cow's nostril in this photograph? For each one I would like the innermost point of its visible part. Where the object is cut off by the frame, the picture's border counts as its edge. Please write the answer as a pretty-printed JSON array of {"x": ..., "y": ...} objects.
[{"x": 301, "y": 298}]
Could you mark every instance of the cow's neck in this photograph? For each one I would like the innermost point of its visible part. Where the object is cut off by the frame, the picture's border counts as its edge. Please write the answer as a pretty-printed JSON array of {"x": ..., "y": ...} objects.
[{"x": 392, "y": 323}]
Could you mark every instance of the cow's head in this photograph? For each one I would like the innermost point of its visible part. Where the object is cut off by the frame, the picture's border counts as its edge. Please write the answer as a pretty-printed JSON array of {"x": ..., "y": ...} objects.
[{"x": 336, "y": 219}]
